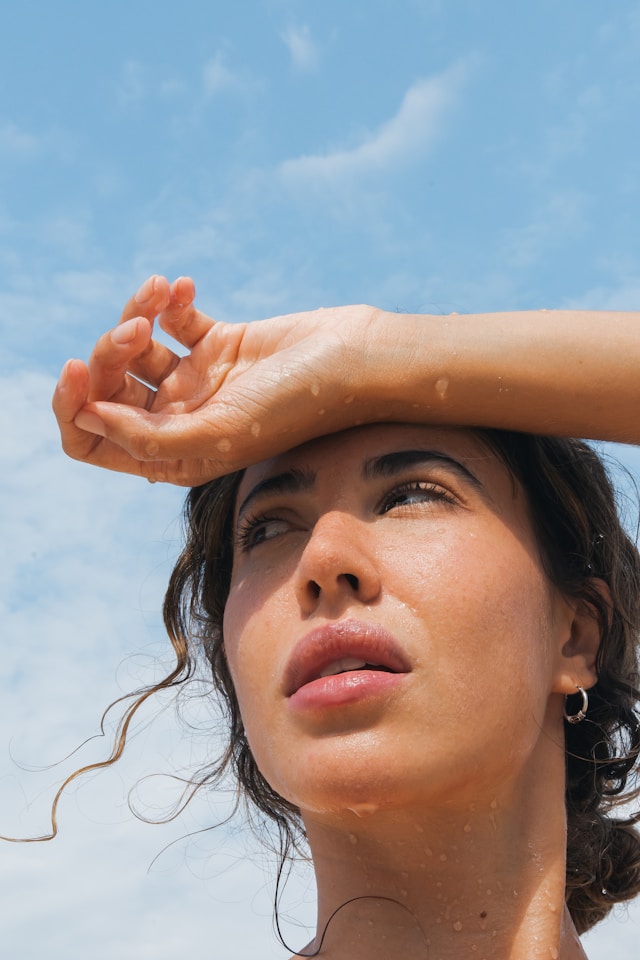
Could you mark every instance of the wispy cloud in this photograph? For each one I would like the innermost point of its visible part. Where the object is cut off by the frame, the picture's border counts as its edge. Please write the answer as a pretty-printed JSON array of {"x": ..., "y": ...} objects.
[
  {"x": 408, "y": 135},
  {"x": 217, "y": 76},
  {"x": 85, "y": 560},
  {"x": 133, "y": 85},
  {"x": 624, "y": 295},
  {"x": 302, "y": 49},
  {"x": 560, "y": 217},
  {"x": 140, "y": 81},
  {"x": 567, "y": 138},
  {"x": 69, "y": 308},
  {"x": 16, "y": 142}
]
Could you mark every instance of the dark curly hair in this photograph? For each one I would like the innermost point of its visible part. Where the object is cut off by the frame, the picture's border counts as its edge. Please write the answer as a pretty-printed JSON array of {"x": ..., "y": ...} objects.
[{"x": 574, "y": 513}]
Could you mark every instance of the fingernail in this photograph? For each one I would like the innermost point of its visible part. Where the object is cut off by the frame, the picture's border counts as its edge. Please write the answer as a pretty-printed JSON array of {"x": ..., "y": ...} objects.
[
  {"x": 125, "y": 332},
  {"x": 91, "y": 423},
  {"x": 146, "y": 291},
  {"x": 178, "y": 303},
  {"x": 63, "y": 380}
]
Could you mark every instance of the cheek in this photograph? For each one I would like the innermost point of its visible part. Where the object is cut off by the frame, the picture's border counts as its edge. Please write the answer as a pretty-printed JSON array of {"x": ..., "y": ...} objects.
[
  {"x": 253, "y": 624},
  {"x": 488, "y": 596},
  {"x": 255, "y": 652}
]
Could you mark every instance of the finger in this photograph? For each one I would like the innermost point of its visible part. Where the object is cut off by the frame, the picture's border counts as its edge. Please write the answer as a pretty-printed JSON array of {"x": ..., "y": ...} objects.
[
  {"x": 69, "y": 397},
  {"x": 152, "y": 297},
  {"x": 182, "y": 291},
  {"x": 113, "y": 355},
  {"x": 109, "y": 456},
  {"x": 135, "y": 394},
  {"x": 128, "y": 349},
  {"x": 157, "y": 361},
  {"x": 71, "y": 391},
  {"x": 133, "y": 446},
  {"x": 153, "y": 436},
  {"x": 154, "y": 364},
  {"x": 180, "y": 319}
]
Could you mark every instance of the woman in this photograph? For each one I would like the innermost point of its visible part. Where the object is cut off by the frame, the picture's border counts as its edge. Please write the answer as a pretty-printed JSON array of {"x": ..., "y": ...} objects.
[{"x": 425, "y": 635}]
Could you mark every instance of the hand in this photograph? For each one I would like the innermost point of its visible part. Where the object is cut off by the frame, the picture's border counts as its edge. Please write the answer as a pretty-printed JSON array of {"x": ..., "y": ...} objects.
[{"x": 242, "y": 392}]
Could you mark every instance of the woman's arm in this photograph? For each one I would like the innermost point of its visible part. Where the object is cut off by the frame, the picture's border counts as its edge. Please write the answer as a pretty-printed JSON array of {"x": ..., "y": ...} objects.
[{"x": 243, "y": 392}]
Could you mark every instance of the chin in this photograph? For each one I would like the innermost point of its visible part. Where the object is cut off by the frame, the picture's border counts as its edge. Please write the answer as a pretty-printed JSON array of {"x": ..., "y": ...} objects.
[{"x": 362, "y": 784}]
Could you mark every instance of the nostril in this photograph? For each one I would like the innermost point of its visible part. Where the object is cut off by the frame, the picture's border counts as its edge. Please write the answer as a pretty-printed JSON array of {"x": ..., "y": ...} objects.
[
  {"x": 351, "y": 580},
  {"x": 315, "y": 589}
]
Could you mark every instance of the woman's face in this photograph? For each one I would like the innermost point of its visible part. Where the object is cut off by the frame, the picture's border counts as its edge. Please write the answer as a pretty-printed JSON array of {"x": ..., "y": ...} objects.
[{"x": 390, "y": 632}]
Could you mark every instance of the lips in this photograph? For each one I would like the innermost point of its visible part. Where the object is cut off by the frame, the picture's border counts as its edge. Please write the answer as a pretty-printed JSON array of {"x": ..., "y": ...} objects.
[{"x": 346, "y": 646}]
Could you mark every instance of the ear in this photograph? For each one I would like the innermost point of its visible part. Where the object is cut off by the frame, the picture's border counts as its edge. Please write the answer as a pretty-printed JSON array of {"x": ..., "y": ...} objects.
[{"x": 576, "y": 663}]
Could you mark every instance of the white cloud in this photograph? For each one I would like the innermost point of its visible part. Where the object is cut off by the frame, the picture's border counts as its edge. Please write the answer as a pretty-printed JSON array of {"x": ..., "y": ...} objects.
[
  {"x": 407, "y": 135},
  {"x": 216, "y": 76},
  {"x": 133, "y": 85},
  {"x": 65, "y": 597},
  {"x": 85, "y": 558},
  {"x": 624, "y": 295},
  {"x": 81, "y": 575},
  {"x": 16, "y": 142},
  {"x": 560, "y": 217},
  {"x": 173, "y": 87},
  {"x": 49, "y": 314},
  {"x": 618, "y": 937},
  {"x": 301, "y": 47},
  {"x": 139, "y": 82}
]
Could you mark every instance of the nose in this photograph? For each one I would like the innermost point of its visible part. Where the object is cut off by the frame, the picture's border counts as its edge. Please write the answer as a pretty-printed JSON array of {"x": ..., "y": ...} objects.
[{"x": 338, "y": 565}]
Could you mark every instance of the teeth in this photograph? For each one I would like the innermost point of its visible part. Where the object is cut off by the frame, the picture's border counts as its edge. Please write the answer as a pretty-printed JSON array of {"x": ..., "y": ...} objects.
[{"x": 341, "y": 666}]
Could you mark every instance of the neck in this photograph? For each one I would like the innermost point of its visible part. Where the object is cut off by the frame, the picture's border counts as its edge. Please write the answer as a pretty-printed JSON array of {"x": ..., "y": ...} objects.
[{"x": 484, "y": 879}]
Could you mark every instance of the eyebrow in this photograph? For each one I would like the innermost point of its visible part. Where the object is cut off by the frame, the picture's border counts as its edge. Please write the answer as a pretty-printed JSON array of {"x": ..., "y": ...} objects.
[
  {"x": 291, "y": 481},
  {"x": 386, "y": 465},
  {"x": 391, "y": 464}
]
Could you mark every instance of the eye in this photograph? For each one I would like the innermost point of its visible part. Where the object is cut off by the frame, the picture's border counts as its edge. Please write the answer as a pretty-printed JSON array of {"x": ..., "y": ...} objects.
[
  {"x": 416, "y": 492},
  {"x": 253, "y": 531}
]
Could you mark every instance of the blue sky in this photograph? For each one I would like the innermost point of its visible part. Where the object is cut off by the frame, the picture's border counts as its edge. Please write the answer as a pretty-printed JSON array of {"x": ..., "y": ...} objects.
[{"x": 415, "y": 154}]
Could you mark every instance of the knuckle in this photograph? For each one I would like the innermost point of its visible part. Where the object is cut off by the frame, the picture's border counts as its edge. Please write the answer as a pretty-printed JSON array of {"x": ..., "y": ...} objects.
[{"x": 143, "y": 447}]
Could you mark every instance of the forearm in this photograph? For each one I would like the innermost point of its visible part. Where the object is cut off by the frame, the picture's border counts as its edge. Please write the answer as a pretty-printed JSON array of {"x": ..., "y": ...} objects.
[
  {"x": 243, "y": 393},
  {"x": 562, "y": 372}
]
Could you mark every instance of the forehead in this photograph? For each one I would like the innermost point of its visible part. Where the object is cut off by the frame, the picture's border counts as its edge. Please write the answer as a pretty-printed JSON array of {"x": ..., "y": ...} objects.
[{"x": 345, "y": 453}]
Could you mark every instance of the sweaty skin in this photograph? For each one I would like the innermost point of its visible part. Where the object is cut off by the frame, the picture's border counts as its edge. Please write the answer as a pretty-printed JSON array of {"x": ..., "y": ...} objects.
[
  {"x": 452, "y": 843},
  {"x": 408, "y": 544},
  {"x": 244, "y": 392}
]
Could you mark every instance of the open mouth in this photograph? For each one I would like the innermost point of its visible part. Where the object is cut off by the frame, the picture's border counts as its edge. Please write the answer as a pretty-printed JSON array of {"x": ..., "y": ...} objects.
[
  {"x": 350, "y": 664},
  {"x": 343, "y": 647}
]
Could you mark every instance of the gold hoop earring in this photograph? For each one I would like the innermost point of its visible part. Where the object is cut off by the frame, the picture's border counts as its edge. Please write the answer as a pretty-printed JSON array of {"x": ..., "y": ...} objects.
[{"x": 582, "y": 712}]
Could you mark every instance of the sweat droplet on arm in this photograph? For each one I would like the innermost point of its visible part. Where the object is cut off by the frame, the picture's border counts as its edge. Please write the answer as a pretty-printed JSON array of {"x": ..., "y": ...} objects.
[{"x": 442, "y": 386}]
